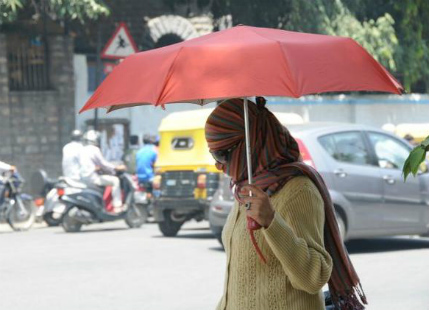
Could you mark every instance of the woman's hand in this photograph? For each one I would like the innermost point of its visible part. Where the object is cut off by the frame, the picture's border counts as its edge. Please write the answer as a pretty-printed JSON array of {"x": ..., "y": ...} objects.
[{"x": 260, "y": 209}]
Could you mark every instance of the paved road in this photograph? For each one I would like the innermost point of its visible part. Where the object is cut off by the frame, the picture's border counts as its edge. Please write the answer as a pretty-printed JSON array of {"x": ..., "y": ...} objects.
[{"x": 110, "y": 267}]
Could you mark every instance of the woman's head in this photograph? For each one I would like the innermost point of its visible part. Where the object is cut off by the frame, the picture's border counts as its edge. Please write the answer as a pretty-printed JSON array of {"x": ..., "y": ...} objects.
[{"x": 270, "y": 142}]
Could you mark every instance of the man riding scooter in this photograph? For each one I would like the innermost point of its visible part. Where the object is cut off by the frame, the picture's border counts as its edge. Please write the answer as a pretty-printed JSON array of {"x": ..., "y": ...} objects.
[
  {"x": 71, "y": 155},
  {"x": 92, "y": 163}
]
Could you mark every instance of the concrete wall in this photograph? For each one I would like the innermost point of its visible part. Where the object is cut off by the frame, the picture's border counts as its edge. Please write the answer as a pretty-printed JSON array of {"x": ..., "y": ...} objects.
[
  {"x": 375, "y": 110},
  {"x": 34, "y": 125}
]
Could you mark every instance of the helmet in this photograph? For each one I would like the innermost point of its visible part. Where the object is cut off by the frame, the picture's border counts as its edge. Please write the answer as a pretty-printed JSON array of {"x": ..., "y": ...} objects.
[
  {"x": 76, "y": 135},
  {"x": 92, "y": 137}
]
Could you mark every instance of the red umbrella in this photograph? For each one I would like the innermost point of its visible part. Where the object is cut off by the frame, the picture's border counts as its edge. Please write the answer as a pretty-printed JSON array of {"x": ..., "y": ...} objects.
[{"x": 242, "y": 62}]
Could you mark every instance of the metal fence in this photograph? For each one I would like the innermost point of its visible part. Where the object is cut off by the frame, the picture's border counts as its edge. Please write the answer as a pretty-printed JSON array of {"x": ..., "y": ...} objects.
[{"x": 27, "y": 65}]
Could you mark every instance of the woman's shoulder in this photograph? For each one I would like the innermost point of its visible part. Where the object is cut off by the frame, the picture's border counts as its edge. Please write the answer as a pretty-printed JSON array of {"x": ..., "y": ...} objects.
[{"x": 299, "y": 185}]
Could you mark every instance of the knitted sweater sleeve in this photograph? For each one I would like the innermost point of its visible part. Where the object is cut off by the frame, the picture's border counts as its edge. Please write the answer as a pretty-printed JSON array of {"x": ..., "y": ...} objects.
[{"x": 296, "y": 237}]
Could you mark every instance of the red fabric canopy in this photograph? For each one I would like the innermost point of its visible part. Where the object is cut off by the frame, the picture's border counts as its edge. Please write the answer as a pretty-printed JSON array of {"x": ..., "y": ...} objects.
[{"x": 242, "y": 62}]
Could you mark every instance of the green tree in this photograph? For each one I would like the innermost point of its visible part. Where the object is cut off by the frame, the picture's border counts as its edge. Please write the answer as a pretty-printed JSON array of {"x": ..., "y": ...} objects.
[
  {"x": 60, "y": 10},
  {"x": 318, "y": 16}
]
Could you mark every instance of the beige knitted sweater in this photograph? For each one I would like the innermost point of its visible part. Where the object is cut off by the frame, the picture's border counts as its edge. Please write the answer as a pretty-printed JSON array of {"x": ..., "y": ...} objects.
[{"x": 298, "y": 266}]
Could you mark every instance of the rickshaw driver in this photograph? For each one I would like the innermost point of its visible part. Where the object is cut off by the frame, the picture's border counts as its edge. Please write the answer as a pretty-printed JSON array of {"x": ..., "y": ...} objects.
[{"x": 145, "y": 161}]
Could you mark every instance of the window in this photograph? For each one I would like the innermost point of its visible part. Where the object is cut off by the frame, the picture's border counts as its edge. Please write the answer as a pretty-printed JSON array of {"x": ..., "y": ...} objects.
[
  {"x": 183, "y": 143},
  {"x": 347, "y": 147},
  {"x": 391, "y": 153},
  {"x": 27, "y": 64}
]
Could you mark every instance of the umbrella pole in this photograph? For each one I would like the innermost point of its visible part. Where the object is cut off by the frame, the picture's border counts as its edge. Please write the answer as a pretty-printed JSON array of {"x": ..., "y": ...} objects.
[{"x": 247, "y": 137}]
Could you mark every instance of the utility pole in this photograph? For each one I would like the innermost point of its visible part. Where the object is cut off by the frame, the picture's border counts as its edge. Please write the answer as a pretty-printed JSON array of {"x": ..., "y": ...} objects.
[{"x": 98, "y": 67}]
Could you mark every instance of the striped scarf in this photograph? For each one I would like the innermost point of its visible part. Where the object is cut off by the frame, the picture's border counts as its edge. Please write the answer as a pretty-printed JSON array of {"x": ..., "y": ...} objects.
[{"x": 275, "y": 161}]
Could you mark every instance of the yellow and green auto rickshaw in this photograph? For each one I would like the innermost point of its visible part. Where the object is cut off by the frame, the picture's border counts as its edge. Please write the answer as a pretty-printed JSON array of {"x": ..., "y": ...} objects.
[{"x": 186, "y": 177}]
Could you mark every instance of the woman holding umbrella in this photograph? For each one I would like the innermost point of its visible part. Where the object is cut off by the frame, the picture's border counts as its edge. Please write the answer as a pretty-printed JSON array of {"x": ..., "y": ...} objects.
[
  {"x": 299, "y": 239},
  {"x": 298, "y": 243}
]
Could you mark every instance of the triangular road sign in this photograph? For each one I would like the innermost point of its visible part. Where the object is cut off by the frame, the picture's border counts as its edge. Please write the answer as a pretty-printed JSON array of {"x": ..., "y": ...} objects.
[{"x": 120, "y": 45}]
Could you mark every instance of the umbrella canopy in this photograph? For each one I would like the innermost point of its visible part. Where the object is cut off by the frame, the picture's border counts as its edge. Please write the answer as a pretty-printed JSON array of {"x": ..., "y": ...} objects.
[{"x": 241, "y": 62}]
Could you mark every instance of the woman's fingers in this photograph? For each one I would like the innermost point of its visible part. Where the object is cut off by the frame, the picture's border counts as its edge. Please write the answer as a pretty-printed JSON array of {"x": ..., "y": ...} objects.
[
  {"x": 252, "y": 199},
  {"x": 256, "y": 191}
]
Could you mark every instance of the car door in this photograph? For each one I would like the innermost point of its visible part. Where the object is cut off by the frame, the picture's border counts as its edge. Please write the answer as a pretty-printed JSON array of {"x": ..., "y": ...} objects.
[
  {"x": 356, "y": 178},
  {"x": 403, "y": 204}
]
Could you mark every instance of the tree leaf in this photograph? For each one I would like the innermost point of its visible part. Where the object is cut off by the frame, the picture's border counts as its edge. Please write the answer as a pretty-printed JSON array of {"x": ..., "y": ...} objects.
[{"x": 411, "y": 165}]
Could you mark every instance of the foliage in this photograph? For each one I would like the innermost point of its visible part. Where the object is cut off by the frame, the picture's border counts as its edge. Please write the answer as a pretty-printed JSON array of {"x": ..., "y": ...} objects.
[
  {"x": 413, "y": 29},
  {"x": 318, "y": 16},
  {"x": 378, "y": 36},
  {"x": 62, "y": 10},
  {"x": 9, "y": 9},
  {"x": 416, "y": 158}
]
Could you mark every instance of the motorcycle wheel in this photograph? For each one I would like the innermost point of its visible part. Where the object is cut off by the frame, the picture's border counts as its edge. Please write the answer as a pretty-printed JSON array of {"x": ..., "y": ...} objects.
[
  {"x": 52, "y": 222},
  {"x": 136, "y": 216},
  {"x": 22, "y": 217},
  {"x": 168, "y": 227},
  {"x": 69, "y": 223}
]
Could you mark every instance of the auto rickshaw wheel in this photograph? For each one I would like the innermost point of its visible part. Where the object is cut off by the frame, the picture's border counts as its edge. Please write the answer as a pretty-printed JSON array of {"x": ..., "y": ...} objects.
[{"x": 168, "y": 226}]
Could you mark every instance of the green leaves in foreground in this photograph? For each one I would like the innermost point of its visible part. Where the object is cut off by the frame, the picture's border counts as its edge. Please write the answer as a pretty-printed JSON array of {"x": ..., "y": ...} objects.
[{"x": 417, "y": 156}]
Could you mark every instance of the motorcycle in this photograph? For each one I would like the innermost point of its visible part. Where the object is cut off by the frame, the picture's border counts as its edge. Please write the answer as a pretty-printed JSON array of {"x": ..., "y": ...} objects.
[
  {"x": 16, "y": 208},
  {"x": 144, "y": 195},
  {"x": 92, "y": 204}
]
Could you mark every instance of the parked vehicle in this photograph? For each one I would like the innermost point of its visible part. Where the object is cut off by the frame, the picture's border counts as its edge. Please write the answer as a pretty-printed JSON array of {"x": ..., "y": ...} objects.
[
  {"x": 186, "y": 177},
  {"x": 362, "y": 168},
  {"x": 16, "y": 208},
  {"x": 89, "y": 204},
  {"x": 47, "y": 196}
]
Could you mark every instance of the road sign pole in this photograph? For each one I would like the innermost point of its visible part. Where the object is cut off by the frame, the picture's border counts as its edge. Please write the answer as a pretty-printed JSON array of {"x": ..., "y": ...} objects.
[{"x": 98, "y": 66}]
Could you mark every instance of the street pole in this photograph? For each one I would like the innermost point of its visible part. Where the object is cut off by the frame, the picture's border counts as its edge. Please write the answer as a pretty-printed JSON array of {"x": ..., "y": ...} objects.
[{"x": 98, "y": 66}]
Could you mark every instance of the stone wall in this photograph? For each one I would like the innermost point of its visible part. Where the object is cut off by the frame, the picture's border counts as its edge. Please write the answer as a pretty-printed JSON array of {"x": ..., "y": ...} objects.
[{"x": 34, "y": 125}]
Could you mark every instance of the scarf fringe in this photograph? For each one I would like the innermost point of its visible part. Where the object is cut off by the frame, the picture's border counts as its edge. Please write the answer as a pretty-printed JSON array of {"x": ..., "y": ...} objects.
[{"x": 354, "y": 300}]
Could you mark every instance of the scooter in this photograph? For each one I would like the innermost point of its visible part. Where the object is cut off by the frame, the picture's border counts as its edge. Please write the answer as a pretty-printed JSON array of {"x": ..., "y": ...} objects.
[
  {"x": 16, "y": 208},
  {"x": 50, "y": 207},
  {"x": 92, "y": 205}
]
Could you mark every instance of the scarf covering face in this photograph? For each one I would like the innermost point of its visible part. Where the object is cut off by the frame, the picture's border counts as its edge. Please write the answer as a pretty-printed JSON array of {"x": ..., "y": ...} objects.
[{"x": 275, "y": 161}]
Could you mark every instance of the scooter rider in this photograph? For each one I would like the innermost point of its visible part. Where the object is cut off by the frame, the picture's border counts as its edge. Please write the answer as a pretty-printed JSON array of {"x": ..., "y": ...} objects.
[
  {"x": 6, "y": 167},
  {"x": 92, "y": 161},
  {"x": 71, "y": 154}
]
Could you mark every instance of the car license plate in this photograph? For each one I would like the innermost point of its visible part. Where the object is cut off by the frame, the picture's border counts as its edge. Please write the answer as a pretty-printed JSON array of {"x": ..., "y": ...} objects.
[{"x": 171, "y": 183}]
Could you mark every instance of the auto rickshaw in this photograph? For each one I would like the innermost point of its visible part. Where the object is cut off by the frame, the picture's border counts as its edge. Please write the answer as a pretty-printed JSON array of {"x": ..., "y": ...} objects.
[
  {"x": 418, "y": 132},
  {"x": 186, "y": 177}
]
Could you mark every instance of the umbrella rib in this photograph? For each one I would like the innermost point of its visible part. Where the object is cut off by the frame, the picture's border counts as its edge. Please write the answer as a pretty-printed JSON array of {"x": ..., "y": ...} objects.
[
  {"x": 167, "y": 78},
  {"x": 380, "y": 68}
]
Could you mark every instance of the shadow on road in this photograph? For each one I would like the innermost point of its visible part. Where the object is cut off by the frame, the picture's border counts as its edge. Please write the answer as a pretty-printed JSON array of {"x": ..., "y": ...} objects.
[
  {"x": 94, "y": 230},
  {"x": 386, "y": 245},
  {"x": 189, "y": 236},
  {"x": 195, "y": 228}
]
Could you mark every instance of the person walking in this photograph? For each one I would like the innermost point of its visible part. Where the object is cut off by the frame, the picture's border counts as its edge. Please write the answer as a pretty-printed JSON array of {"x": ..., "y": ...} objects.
[
  {"x": 71, "y": 153},
  {"x": 281, "y": 241}
]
